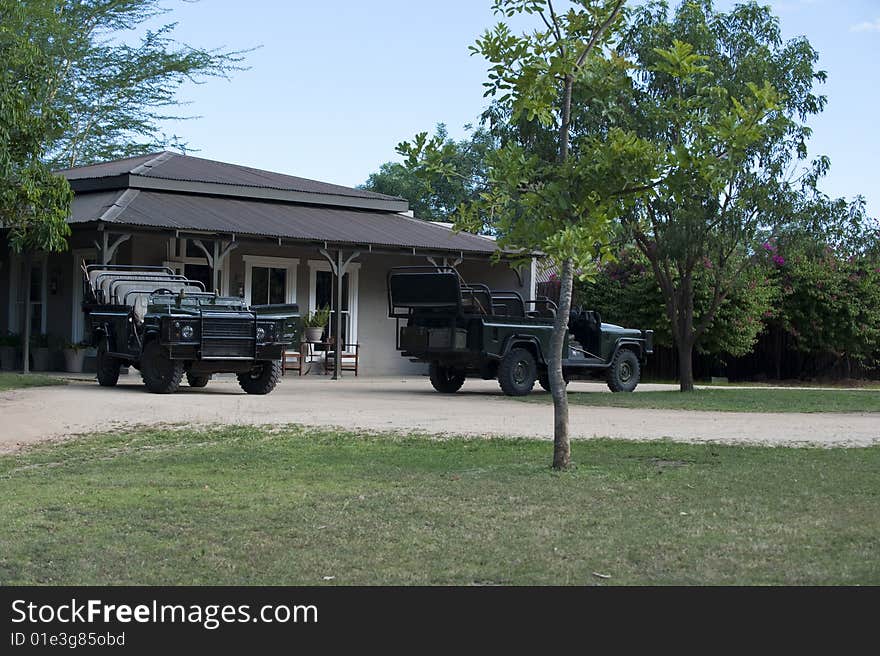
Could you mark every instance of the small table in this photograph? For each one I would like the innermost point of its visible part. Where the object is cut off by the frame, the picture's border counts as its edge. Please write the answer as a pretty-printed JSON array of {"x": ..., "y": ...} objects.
[{"x": 308, "y": 352}]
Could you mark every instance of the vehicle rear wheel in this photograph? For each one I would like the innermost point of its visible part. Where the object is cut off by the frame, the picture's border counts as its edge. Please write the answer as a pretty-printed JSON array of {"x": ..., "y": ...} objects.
[
  {"x": 517, "y": 372},
  {"x": 107, "y": 366},
  {"x": 161, "y": 374},
  {"x": 262, "y": 379},
  {"x": 625, "y": 372},
  {"x": 445, "y": 380},
  {"x": 544, "y": 379},
  {"x": 194, "y": 380}
]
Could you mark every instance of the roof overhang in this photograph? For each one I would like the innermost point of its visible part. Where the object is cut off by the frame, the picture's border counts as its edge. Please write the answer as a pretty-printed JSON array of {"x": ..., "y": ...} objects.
[{"x": 133, "y": 181}]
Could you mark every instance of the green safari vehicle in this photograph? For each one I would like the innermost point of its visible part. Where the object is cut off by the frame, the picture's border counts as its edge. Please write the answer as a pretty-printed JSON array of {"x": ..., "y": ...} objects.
[{"x": 468, "y": 330}]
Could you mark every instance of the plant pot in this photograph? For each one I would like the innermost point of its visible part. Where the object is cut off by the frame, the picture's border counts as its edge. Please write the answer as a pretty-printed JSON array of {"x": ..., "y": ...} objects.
[
  {"x": 40, "y": 356},
  {"x": 314, "y": 334},
  {"x": 7, "y": 358},
  {"x": 74, "y": 360}
]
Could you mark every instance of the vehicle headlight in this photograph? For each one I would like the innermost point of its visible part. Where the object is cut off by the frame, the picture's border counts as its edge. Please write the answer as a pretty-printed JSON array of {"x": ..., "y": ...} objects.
[
  {"x": 187, "y": 332},
  {"x": 261, "y": 333}
]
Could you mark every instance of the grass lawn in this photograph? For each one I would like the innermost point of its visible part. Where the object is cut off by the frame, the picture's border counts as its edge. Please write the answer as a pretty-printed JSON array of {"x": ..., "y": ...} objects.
[
  {"x": 730, "y": 400},
  {"x": 298, "y": 506},
  {"x": 10, "y": 381}
]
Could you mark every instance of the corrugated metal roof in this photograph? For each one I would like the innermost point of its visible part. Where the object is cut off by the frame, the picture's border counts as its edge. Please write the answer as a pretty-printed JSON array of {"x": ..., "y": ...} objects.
[
  {"x": 107, "y": 169},
  {"x": 272, "y": 219},
  {"x": 185, "y": 168}
]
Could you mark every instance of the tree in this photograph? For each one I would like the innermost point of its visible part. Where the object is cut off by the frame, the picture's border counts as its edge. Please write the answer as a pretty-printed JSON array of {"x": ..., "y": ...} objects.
[
  {"x": 114, "y": 91},
  {"x": 440, "y": 200},
  {"x": 625, "y": 291},
  {"x": 34, "y": 204},
  {"x": 827, "y": 269},
  {"x": 547, "y": 190},
  {"x": 725, "y": 99}
]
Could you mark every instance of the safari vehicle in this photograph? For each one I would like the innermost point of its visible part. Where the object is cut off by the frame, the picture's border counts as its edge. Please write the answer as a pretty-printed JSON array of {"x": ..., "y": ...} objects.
[
  {"x": 464, "y": 330},
  {"x": 168, "y": 326}
]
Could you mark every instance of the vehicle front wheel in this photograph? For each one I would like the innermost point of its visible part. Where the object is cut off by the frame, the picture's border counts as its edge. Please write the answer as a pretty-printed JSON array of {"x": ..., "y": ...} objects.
[
  {"x": 194, "y": 380},
  {"x": 517, "y": 372},
  {"x": 445, "y": 380},
  {"x": 161, "y": 374},
  {"x": 625, "y": 372},
  {"x": 107, "y": 365},
  {"x": 262, "y": 379}
]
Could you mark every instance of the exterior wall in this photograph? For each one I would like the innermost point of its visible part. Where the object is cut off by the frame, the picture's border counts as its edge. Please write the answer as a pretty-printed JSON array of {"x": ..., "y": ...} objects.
[{"x": 375, "y": 331}]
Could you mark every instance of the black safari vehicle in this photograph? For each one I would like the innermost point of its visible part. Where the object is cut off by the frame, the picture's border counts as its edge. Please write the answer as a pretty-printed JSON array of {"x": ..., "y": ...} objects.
[
  {"x": 465, "y": 330},
  {"x": 168, "y": 326}
]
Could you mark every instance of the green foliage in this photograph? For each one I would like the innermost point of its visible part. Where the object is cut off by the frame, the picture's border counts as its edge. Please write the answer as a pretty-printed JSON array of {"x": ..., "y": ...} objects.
[
  {"x": 114, "y": 78},
  {"x": 724, "y": 100},
  {"x": 829, "y": 282},
  {"x": 439, "y": 198},
  {"x": 625, "y": 291},
  {"x": 34, "y": 204},
  {"x": 317, "y": 319},
  {"x": 543, "y": 191}
]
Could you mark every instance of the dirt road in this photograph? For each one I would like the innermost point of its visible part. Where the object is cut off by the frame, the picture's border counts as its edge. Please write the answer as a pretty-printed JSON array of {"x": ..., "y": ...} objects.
[{"x": 388, "y": 404}]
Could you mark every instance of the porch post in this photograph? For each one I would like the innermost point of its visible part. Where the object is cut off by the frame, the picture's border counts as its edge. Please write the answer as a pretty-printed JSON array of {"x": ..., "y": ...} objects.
[
  {"x": 338, "y": 348},
  {"x": 338, "y": 267},
  {"x": 26, "y": 338}
]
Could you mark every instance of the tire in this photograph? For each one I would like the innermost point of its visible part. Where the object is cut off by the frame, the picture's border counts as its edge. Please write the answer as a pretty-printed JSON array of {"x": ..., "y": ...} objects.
[
  {"x": 625, "y": 372},
  {"x": 194, "y": 380},
  {"x": 160, "y": 374},
  {"x": 445, "y": 379},
  {"x": 262, "y": 379},
  {"x": 517, "y": 372},
  {"x": 107, "y": 366},
  {"x": 544, "y": 380}
]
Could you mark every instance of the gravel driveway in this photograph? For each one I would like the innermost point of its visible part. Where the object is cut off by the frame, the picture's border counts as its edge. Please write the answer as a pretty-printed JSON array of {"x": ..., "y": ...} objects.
[{"x": 392, "y": 404}]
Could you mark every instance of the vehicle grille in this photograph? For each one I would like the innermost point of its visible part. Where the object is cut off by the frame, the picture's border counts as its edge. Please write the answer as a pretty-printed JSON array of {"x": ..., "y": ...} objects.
[
  {"x": 228, "y": 328},
  {"x": 227, "y": 338}
]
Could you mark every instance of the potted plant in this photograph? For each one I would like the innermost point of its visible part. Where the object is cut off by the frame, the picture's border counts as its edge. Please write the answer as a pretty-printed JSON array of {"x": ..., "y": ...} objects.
[
  {"x": 75, "y": 356},
  {"x": 9, "y": 344},
  {"x": 40, "y": 352},
  {"x": 315, "y": 322}
]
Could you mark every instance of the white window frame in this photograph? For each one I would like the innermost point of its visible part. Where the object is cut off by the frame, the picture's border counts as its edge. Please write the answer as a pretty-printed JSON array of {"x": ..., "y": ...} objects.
[
  {"x": 288, "y": 263},
  {"x": 18, "y": 287},
  {"x": 77, "y": 334},
  {"x": 176, "y": 262},
  {"x": 353, "y": 271}
]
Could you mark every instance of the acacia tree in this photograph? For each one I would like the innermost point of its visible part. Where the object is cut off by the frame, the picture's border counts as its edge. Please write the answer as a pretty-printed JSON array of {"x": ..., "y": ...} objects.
[
  {"x": 34, "y": 204},
  {"x": 548, "y": 188},
  {"x": 726, "y": 100},
  {"x": 439, "y": 200},
  {"x": 115, "y": 87}
]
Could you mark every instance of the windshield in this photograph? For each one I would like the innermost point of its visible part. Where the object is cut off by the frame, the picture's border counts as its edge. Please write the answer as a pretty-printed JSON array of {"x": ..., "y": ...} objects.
[{"x": 198, "y": 301}]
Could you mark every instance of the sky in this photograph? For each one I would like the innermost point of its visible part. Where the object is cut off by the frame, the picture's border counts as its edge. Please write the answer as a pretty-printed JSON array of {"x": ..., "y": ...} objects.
[{"x": 333, "y": 86}]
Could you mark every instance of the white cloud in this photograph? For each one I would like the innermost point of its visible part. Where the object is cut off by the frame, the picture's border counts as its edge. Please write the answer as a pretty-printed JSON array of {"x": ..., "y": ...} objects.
[{"x": 866, "y": 26}]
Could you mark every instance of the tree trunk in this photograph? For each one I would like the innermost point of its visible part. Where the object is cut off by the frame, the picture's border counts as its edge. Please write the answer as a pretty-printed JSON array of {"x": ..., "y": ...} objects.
[
  {"x": 561, "y": 442},
  {"x": 686, "y": 366},
  {"x": 26, "y": 338}
]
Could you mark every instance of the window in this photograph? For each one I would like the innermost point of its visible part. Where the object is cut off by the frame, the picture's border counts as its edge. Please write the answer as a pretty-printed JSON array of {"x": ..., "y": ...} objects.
[
  {"x": 322, "y": 293},
  {"x": 268, "y": 285},
  {"x": 269, "y": 280},
  {"x": 78, "y": 323},
  {"x": 187, "y": 259}
]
